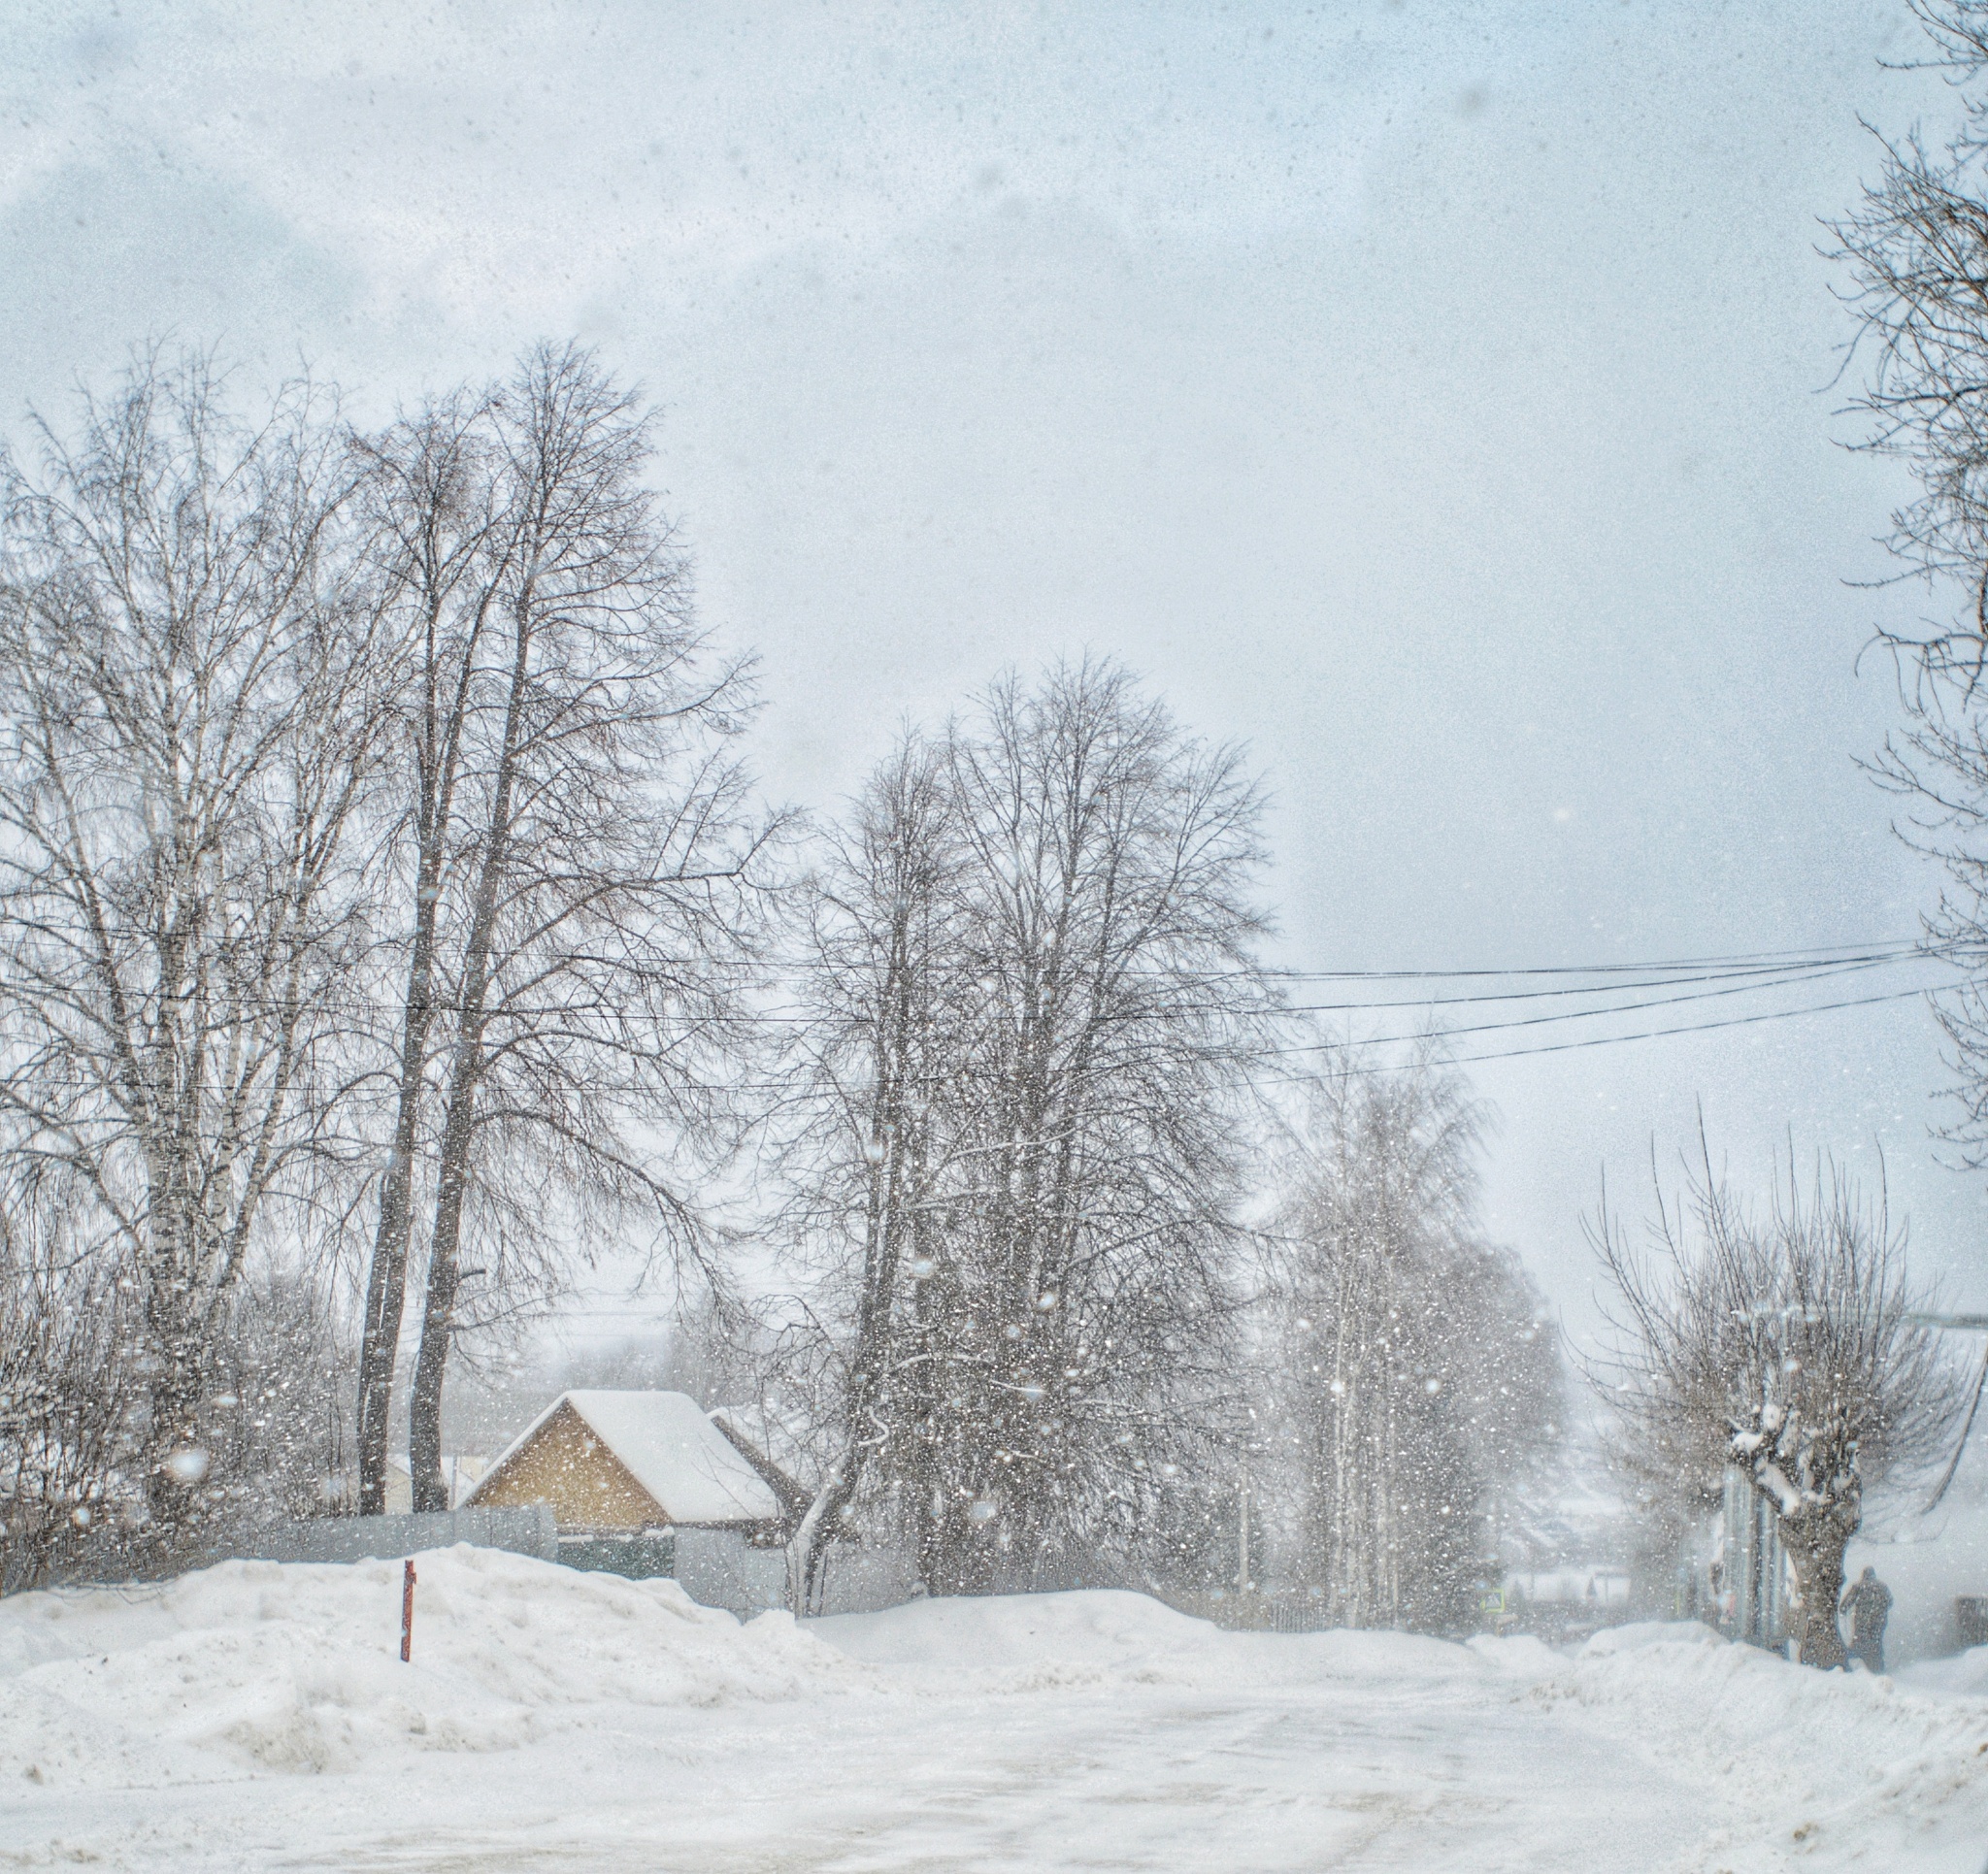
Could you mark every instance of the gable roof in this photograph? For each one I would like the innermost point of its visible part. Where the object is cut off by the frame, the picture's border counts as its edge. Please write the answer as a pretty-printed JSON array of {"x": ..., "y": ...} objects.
[
  {"x": 794, "y": 1495},
  {"x": 664, "y": 1441},
  {"x": 770, "y": 1440}
]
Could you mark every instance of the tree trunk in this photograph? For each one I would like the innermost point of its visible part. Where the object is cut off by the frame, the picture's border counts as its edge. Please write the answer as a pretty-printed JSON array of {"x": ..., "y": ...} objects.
[
  {"x": 387, "y": 1287},
  {"x": 173, "y": 1470},
  {"x": 808, "y": 1545},
  {"x": 1818, "y": 1559},
  {"x": 458, "y": 1126},
  {"x": 962, "y": 1552},
  {"x": 445, "y": 1274},
  {"x": 386, "y": 1284}
]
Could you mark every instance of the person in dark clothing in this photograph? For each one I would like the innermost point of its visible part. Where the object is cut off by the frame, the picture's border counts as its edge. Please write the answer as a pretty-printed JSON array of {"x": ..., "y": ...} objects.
[{"x": 1869, "y": 1606}]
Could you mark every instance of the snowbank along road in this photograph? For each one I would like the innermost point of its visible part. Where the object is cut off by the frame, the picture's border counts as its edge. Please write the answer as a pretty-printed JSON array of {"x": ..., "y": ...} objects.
[{"x": 258, "y": 1716}]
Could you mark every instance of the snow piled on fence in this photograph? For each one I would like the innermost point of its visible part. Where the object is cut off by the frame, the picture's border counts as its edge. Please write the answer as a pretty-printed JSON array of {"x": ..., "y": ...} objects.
[{"x": 289, "y": 1667}]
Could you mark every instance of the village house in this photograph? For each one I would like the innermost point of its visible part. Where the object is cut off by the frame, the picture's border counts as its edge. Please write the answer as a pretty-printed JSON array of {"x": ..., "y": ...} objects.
[{"x": 622, "y": 1472}]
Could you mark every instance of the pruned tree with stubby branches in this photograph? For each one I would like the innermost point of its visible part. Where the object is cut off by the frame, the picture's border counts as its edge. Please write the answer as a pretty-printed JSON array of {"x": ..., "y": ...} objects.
[{"x": 1780, "y": 1339}]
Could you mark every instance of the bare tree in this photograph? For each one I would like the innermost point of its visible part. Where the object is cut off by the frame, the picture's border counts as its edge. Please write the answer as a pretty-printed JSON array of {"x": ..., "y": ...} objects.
[
  {"x": 438, "y": 529},
  {"x": 1037, "y": 1004},
  {"x": 280, "y": 1405},
  {"x": 1115, "y": 856},
  {"x": 1916, "y": 253},
  {"x": 1413, "y": 1376},
  {"x": 891, "y": 1005},
  {"x": 189, "y": 673},
  {"x": 67, "y": 1385},
  {"x": 1781, "y": 1342},
  {"x": 582, "y": 861}
]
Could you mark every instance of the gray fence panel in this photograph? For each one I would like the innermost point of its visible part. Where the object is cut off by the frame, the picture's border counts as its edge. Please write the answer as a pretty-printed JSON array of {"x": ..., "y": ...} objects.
[
  {"x": 636, "y": 1557},
  {"x": 528, "y": 1531},
  {"x": 721, "y": 1568},
  {"x": 866, "y": 1581}
]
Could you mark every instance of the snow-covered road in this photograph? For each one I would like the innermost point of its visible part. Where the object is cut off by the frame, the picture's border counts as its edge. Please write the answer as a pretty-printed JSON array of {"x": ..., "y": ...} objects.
[{"x": 255, "y": 1716}]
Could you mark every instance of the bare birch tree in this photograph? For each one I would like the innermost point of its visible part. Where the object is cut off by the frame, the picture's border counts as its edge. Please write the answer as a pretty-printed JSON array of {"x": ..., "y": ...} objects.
[
  {"x": 1781, "y": 1342},
  {"x": 1414, "y": 1374},
  {"x": 189, "y": 675}
]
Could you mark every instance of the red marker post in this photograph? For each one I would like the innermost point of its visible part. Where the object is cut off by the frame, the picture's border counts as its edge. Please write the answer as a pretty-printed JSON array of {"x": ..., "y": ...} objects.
[{"x": 407, "y": 1611}]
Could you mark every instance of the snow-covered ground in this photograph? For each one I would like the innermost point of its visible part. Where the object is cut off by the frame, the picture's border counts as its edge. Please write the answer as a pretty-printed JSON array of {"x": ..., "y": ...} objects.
[{"x": 258, "y": 1716}]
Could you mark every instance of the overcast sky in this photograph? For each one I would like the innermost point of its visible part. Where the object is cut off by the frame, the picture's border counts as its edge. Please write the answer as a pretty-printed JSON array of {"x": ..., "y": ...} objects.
[{"x": 1436, "y": 398}]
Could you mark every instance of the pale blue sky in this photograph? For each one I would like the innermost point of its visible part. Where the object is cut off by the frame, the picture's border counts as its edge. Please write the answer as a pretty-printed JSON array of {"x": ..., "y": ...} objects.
[{"x": 1435, "y": 397}]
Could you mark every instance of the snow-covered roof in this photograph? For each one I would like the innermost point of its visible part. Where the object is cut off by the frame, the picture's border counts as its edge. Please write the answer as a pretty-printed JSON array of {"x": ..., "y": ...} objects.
[
  {"x": 773, "y": 1433},
  {"x": 692, "y": 1470}
]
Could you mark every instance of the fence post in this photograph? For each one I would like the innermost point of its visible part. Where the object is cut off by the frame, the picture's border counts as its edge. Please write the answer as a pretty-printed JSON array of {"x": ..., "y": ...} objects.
[{"x": 406, "y": 1610}]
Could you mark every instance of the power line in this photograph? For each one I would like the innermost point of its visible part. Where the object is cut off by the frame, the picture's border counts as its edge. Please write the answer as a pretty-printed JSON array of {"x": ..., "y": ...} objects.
[
  {"x": 1750, "y": 978},
  {"x": 1518, "y": 1053},
  {"x": 1618, "y": 1008},
  {"x": 1878, "y": 950},
  {"x": 1762, "y": 975},
  {"x": 1643, "y": 1035}
]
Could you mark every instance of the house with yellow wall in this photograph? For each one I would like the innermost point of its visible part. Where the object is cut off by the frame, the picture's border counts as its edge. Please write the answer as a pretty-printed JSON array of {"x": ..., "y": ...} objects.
[{"x": 619, "y": 1469}]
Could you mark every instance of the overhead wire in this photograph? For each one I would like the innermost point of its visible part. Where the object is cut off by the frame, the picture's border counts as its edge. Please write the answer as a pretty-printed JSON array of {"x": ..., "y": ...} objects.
[
  {"x": 1793, "y": 967},
  {"x": 1876, "y": 951},
  {"x": 1616, "y": 1009},
  {"x": 1748, "y": 979},
  {"x": 1643, "y": 1035},
  {"x": 1756, "y": 974}
]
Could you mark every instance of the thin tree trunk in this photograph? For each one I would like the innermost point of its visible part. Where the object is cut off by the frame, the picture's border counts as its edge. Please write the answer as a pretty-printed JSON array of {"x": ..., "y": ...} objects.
[
  {"x": 810, "y": 1542},
  {"x": 437, "y": 1314},
  {"x": 458, "y": 1129},
  {"x": 386, "y": 1284}
]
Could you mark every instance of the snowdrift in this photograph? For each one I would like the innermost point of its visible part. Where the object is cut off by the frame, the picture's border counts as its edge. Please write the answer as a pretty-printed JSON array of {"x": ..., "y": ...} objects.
[
  {"x": 1845, "y": 1767},
  {"x": 1841, "y": 1767},
  {"x": 1963, "y": 1675},
  {"x": 1103, "y": 1637},
  {"x": 283, "y": 1681},
  {"x": 290, "y": 1667}
]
